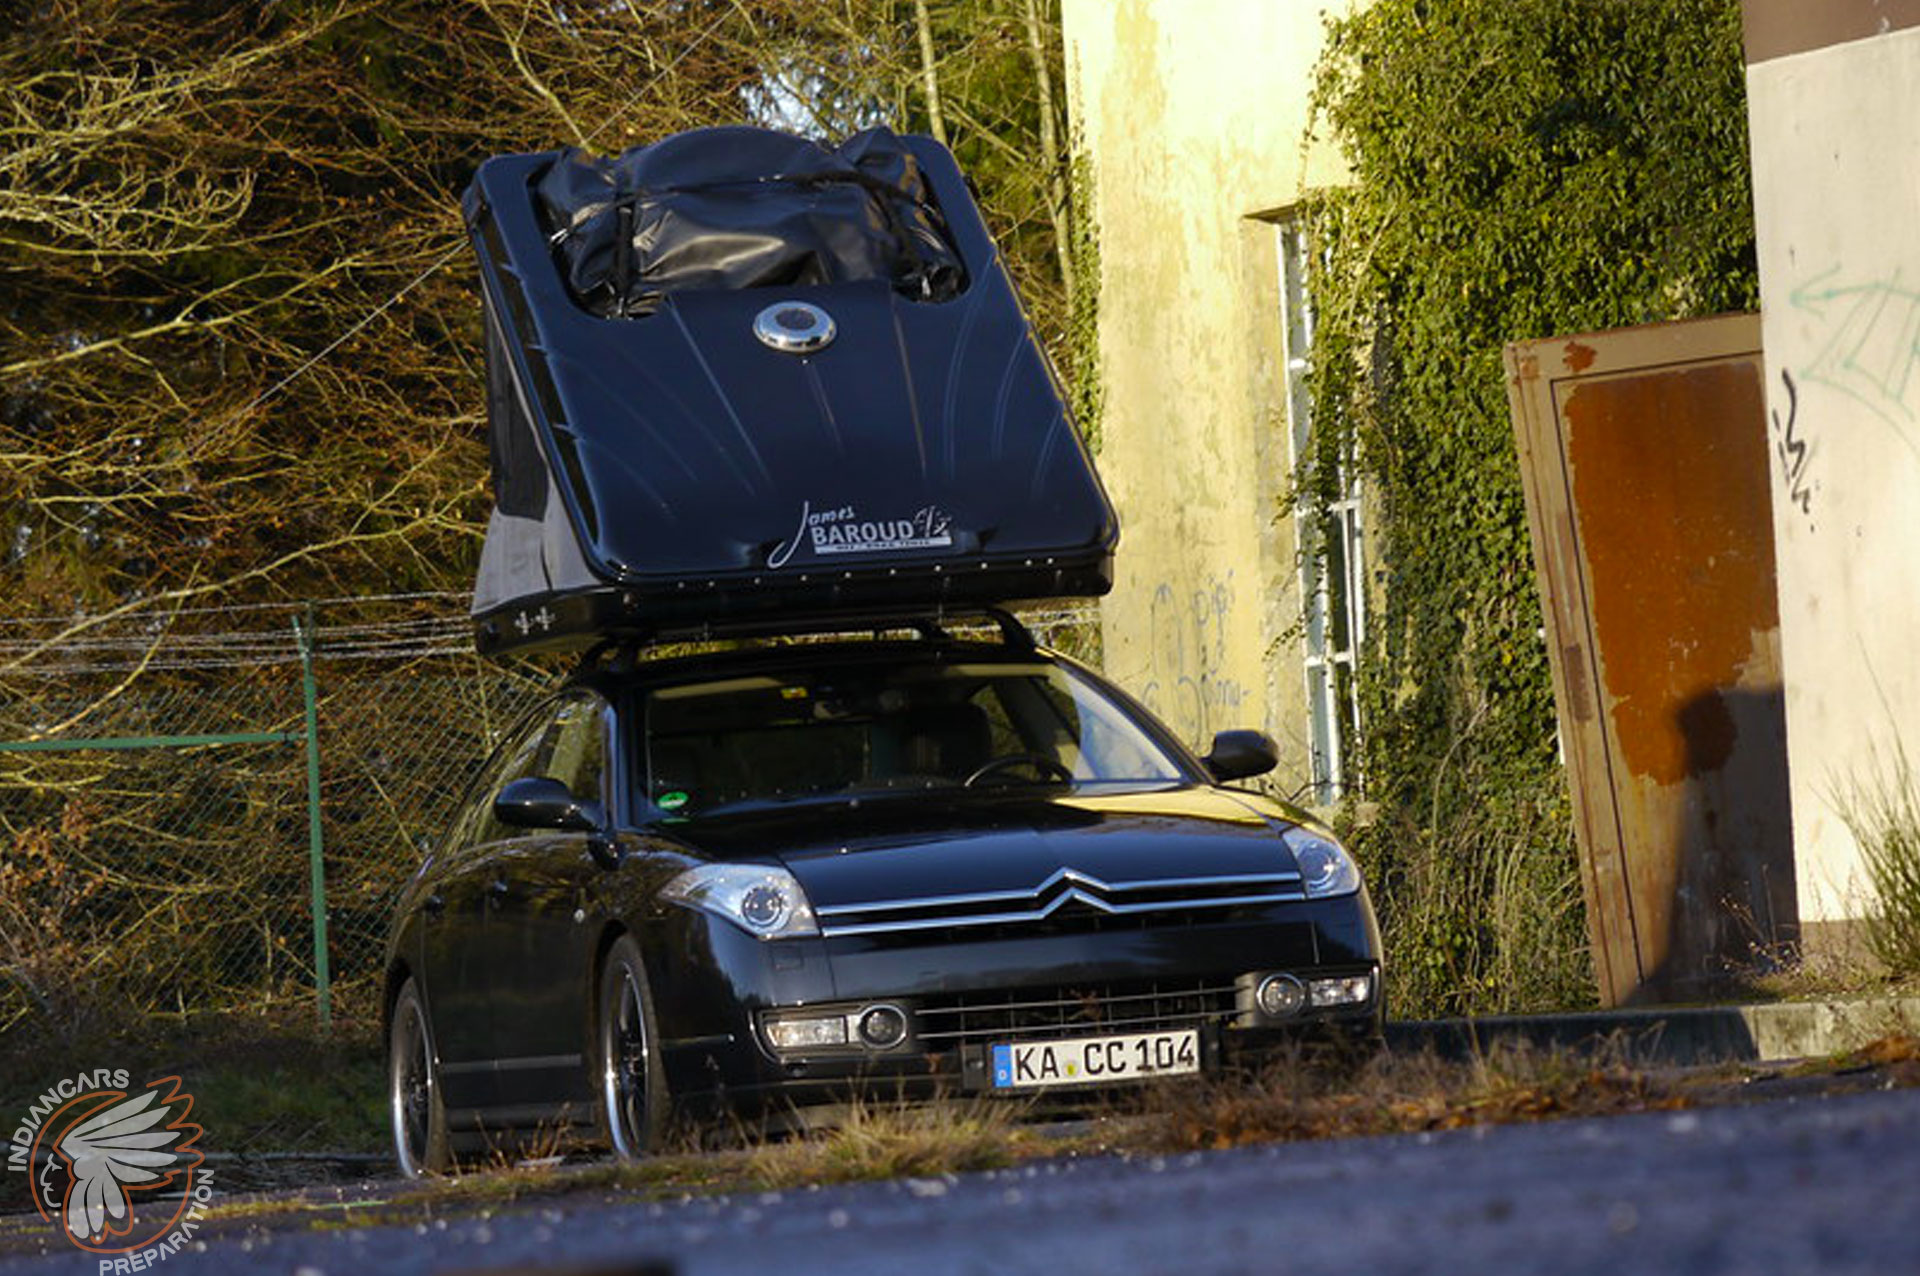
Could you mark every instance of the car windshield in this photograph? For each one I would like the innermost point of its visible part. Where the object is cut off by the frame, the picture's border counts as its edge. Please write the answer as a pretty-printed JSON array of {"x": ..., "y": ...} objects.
[{"x": 852, "y": 730}]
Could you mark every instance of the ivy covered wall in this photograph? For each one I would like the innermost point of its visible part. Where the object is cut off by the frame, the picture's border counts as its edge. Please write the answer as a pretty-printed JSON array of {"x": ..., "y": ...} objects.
[{"x": 1521, "y": 168}]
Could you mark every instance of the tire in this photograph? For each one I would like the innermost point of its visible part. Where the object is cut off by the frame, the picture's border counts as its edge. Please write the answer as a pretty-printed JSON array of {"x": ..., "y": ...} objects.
[
  {"x": 631, "y": 1087},
  {"x": 415, "y": 1105}
]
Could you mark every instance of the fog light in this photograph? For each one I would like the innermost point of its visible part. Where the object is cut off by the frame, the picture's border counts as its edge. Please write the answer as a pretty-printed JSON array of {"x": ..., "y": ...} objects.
[
  {"x": 801, "y": 1032},
  {"x": 883, "y": 1027},
  {"x": 1280, "y": 996},
  {"x": 1348, "y": 990}
]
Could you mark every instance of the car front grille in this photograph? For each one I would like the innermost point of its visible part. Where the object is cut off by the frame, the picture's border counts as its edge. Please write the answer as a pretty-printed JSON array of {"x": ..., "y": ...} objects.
[
  {"x": 1039, "y": 1013},
  {"x": 1061, "y": 900}
]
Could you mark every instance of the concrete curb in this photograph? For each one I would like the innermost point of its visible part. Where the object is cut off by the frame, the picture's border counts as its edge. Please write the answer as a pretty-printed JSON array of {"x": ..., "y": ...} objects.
[{"x": 1681, "y": 1035}]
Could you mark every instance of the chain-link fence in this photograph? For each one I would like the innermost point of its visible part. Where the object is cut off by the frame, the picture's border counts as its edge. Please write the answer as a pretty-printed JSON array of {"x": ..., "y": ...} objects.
[
  {"x": 222, "y": 817},
  {"x": 207, "y": 820}
]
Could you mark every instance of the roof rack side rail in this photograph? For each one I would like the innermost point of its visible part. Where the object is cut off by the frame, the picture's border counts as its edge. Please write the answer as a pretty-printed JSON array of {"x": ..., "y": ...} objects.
[
  {"x": 620, "y": 653},
  {"x": 1016, "y": 635}
]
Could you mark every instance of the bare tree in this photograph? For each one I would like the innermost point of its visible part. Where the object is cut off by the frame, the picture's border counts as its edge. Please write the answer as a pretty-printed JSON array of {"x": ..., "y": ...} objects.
[
  {"x": 239, "y": 364},
  {"x": 240, "y": 352},
  {"x": 984, "y": 77}
]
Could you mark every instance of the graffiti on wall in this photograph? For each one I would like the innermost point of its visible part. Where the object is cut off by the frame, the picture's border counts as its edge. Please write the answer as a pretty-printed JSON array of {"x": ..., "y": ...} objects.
[
  {"x": 1794, "y": 450},
  {"x": 1188, "y": 684},
  {"x": 1870, "y": 348}
]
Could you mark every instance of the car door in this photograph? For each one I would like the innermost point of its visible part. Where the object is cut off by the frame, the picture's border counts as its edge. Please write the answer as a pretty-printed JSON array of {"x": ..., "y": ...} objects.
[
  {"x": 539, "y": 886},
  {"x": 454, "y": 922}
]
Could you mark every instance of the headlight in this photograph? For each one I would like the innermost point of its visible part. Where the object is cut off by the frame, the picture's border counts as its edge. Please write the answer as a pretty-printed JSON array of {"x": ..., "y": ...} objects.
[
  {"x": 1325, "y": 869},
  {"x": 762, "y": 901}
]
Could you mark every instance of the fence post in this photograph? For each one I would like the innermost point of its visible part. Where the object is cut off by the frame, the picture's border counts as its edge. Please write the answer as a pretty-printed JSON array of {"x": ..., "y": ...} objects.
[{"x": 303, "y": 634}]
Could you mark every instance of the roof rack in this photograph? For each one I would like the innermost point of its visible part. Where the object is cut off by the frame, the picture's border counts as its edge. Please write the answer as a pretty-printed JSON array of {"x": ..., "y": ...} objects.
[{"x": 622, "y": 652}]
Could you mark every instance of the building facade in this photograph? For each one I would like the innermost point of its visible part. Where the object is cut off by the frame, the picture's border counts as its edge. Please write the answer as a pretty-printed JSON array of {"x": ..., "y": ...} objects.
[{"x": 1194, "y": 116}]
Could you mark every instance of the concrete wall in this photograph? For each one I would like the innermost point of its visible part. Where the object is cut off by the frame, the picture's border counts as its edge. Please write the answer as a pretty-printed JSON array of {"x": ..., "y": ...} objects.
[
  {"x": 1834, "y": 95},
  {"x": 1194, "y": 115}
]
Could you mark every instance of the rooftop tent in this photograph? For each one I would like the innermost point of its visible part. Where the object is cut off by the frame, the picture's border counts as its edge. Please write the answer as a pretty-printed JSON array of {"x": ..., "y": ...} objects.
[{"x": 738, "y": 377}]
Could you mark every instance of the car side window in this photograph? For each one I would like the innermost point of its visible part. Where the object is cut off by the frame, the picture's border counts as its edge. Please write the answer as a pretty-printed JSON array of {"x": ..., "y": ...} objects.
[
  {"x": 514, "y": 759},
  {"x": 575, "y": 746},
  {"x": 568, "y": 742}
]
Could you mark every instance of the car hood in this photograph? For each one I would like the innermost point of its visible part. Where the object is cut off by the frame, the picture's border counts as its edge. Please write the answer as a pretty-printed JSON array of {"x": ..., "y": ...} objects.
[{"x": 1112, "y": 847}]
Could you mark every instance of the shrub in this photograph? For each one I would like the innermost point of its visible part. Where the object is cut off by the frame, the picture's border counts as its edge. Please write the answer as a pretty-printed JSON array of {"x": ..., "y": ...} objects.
[{"x": 1520, "y": 168}]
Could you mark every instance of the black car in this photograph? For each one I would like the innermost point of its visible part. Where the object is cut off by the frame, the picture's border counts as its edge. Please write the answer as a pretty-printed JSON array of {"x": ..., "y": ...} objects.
[{"x": 753, "y": 880}]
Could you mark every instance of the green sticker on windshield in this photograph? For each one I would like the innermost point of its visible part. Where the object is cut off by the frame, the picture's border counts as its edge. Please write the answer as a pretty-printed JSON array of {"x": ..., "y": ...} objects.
[{"x": 672, "y": 801}]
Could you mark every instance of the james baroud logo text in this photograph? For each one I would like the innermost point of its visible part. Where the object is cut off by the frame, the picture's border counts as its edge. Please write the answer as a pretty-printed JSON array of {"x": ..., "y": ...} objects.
[{"x": 843, "y": 531}]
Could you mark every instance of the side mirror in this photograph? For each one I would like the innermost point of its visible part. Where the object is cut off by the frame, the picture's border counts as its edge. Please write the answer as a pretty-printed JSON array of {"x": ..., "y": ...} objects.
[
  {"x": 541, "y": 802},
  {"x": 1241, "y": 753}
]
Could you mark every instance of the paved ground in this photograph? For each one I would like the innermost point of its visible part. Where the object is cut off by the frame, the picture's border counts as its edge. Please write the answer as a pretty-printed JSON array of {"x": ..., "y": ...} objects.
[{"x": 1827, "y": 1185}]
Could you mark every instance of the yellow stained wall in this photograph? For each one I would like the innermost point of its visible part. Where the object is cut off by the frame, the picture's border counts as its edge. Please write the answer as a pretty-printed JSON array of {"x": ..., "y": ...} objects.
[{"x": 1193, "y": 116}]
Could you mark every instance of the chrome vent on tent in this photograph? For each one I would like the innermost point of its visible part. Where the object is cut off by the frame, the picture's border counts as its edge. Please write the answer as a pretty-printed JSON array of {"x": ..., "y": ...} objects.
[{"x": 1065, "y": 891}]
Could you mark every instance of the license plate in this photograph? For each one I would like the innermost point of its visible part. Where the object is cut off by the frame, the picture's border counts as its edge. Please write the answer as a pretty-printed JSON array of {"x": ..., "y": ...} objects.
[{"x": 1021, "y": 1065}]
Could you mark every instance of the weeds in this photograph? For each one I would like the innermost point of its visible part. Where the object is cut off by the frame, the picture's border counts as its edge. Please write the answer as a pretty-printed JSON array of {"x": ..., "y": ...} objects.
[
  {"x": 897, "y": 1141},
  {"x": 1294, "y": 1099},
  {"x": 1480, "y": 911},
  {"x": 1471, "y": 862},
  {"x": 1883, "y": 814}
]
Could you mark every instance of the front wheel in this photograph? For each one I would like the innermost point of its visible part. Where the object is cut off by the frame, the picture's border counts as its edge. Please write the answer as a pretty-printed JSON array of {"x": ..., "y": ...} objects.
[
  {"x": 413, "y": 1089},
  {"x": 633, "y": 1092}
]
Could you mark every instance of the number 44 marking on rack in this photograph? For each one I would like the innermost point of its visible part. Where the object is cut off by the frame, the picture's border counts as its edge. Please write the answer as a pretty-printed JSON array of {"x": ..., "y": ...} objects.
[{"x": 541, "y": 620}]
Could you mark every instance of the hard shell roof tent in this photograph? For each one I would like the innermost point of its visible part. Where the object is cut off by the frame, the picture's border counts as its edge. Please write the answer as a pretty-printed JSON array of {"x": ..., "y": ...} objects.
[{"x": 736, "y": 378}]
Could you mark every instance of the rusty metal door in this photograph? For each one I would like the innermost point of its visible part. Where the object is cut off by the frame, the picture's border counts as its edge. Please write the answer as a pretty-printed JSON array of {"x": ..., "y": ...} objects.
[{"x": 1643, "y": 453}]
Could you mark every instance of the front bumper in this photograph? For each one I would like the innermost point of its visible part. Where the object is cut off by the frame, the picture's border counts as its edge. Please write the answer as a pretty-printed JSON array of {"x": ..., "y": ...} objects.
[{"x": 964, "y": 994}]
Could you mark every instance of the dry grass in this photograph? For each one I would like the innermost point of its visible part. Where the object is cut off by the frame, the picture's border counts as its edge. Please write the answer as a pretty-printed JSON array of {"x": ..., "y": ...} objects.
[
  {"x": 1303, "y": 1097},
  {"x": 1882, "y": 811},
  {"x": 900, "y": 1140},
  {"x": 1893, "y": 1059},
  {"x": 872, "y": 1142},
  {"x": 1296, "y": 1098},
  {"x": 1394, "y": 1094},
  {"x": 1806, "y": 976}
]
